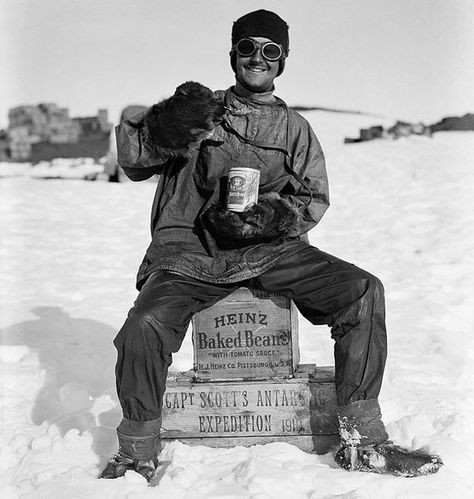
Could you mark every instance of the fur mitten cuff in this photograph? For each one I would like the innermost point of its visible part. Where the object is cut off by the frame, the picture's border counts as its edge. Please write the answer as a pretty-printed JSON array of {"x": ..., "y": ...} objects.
[
  {"x": 175, "y": 124},
  {"x": 272, "y": 218}
]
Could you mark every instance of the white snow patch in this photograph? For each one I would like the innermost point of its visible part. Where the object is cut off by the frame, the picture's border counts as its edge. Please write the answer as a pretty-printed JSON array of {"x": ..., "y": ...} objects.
[
  {"x": 68, "y": 256},
  {"x": 66, "y": 168}
]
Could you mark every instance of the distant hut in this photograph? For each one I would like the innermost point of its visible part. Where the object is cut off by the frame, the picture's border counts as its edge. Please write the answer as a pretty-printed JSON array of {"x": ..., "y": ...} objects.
[
  {"x": 465, "y": 122},
  {"x": 400, "y": 129}
]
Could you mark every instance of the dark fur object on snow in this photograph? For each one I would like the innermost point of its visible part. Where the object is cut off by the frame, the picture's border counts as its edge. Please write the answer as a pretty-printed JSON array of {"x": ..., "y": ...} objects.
[
  {"x": 183, "y": 120},
  {"x": 389, "y": 459},
  {"x": 272, "y": 218}
]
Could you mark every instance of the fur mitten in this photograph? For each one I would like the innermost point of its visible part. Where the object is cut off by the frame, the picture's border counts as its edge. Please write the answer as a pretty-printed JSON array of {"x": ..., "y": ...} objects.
[
  {"x": 183, "y": 120},
  {"x": 272, "y": 218}
]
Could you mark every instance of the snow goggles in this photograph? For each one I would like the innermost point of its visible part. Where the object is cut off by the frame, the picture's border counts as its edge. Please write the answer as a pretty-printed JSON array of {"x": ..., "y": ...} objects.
[{"x": 270, "y": 51}]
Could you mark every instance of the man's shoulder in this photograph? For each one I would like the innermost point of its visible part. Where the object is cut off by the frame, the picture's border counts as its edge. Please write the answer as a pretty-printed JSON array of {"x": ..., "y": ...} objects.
[
  {"x": 293, "y": 115},
  {"x": 300, "y": 126},
  {"x": 297, "y": 119}
]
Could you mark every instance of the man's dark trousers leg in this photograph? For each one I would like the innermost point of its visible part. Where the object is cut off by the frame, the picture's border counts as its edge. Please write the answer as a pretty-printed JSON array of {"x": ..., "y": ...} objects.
[
  {"x": 154, "y": 329},
  {"x": 325, "y": 289},
  {"x": 330, "y": 291}
]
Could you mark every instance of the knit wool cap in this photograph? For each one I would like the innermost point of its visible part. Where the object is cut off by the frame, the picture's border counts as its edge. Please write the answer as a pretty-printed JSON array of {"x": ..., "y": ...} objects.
[{"x": 261, "y": 23}]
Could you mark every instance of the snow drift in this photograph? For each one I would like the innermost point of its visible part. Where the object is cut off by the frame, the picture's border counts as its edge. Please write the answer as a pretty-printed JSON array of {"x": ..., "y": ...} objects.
[{"x": 69, "y": 251}]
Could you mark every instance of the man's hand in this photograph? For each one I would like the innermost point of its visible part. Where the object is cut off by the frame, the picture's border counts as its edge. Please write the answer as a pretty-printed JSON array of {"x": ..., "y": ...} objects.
[
  {"x": 270, "y": 219},
  {"x": 184, "y": 119}
]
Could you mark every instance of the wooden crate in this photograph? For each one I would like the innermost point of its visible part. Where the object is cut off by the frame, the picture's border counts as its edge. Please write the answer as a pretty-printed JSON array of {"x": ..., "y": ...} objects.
[
  {"x": 300, "y": 410},
  {"x": 248, "y": 335}
]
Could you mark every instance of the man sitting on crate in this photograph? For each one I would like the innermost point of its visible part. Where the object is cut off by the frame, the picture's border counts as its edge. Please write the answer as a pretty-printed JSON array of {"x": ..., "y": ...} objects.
[{"x": 201, "y": 251}]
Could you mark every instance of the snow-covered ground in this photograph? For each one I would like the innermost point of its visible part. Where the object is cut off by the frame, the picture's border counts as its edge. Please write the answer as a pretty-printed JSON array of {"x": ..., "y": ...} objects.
[
  {"x": 70, "y": 168},
  {"x": 69, "y": 251}
]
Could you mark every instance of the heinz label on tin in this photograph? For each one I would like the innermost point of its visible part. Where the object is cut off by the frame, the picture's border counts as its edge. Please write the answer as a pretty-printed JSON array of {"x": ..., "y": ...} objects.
[{"x": 242, "y": 188}]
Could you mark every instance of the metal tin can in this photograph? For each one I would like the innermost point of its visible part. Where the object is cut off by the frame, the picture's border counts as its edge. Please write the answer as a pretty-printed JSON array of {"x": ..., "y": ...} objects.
[{"x": 242, "y": 188}]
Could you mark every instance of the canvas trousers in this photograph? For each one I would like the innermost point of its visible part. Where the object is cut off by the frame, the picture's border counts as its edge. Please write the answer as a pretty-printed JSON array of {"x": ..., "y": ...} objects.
[{"x": 325, "y": 289}]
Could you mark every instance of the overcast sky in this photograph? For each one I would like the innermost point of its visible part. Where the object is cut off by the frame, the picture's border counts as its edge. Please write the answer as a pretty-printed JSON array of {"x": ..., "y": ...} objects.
[{"x": 408, "y": 59}]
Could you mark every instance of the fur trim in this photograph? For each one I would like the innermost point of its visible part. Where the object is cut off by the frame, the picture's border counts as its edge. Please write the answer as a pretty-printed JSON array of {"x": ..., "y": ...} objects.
[{"x": 178, "y": 124}]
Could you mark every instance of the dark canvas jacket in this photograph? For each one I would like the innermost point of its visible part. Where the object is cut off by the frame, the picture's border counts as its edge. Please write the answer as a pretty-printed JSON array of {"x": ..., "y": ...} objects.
[{"x": 267, "y": 136}]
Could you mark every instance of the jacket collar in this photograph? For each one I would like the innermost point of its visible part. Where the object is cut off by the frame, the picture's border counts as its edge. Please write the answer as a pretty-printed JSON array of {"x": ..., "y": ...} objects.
[
  {"x": 234, "y": 100},
  {"x": 260, "y": 98}
]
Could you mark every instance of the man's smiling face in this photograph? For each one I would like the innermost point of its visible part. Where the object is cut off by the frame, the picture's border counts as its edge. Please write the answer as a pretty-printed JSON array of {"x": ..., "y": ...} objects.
[{"x": 255, "y": 72}]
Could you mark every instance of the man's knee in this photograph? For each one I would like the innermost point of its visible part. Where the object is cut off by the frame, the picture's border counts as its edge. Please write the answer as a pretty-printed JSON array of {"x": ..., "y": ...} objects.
[
  {"x": 364, "y": 295},
  {"x": 369, "y": 284},
  {"x": 151, "y": 329},
  {"x": 137, "y": 334}
]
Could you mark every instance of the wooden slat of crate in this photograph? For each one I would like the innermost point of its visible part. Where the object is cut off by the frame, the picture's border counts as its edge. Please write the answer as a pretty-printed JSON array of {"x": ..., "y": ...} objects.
[
  {"x": 253, "y": 411},
  {"x": 319, "y": 444},
  {"x": 248, "y": 335}
]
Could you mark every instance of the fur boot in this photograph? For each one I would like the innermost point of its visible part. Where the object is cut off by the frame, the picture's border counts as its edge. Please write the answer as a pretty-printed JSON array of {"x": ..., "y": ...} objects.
[
  {"x": 120, "y": 464},
  {"x": 139, "y": 447},
  {"x": 365, "y": 445},
  {"x": 387, "y": 458}
]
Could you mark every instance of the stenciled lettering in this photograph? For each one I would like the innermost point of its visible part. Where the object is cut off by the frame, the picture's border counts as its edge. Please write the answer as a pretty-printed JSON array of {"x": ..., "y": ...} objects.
[
  {"x": 233, "y": 398},
  {"x": 280, "y": 398},
  {"x": 241, "y": 339},
  {"x": 240, "y": 318},
  {"x": 178, "y": 400},
  {"x": 210, "y": 366},
  {"x": 242, "y": 423}
]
